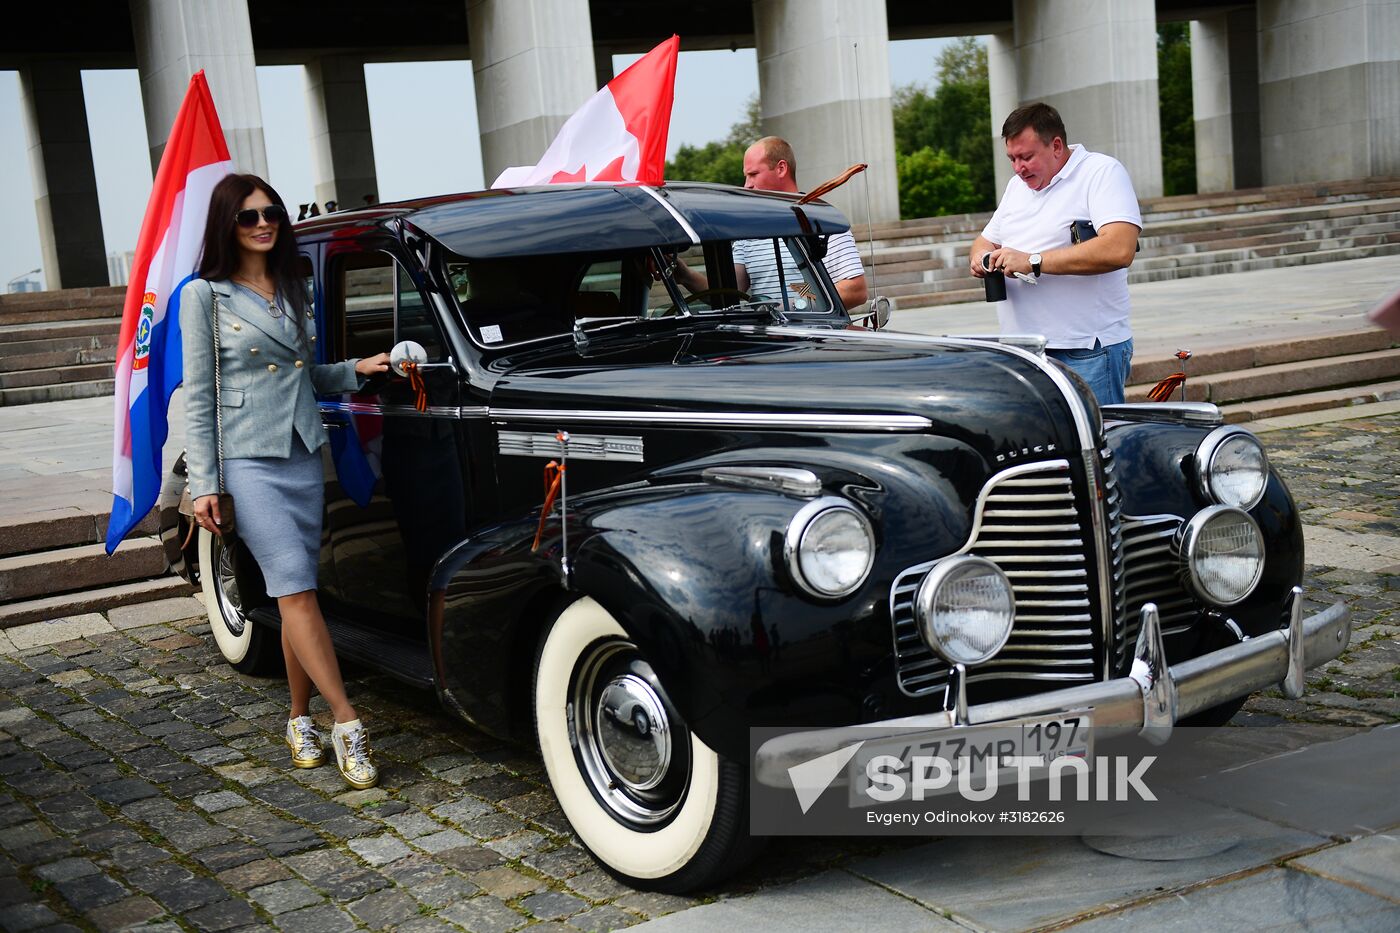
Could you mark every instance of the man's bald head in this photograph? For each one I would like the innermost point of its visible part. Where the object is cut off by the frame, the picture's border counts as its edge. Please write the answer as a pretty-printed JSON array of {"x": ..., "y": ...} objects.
[{"x": 769, "y": 165}]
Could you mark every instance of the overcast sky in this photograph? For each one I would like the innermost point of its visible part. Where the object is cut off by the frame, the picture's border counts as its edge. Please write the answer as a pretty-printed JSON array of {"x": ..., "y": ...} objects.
[{"x": 417, "y": 149}]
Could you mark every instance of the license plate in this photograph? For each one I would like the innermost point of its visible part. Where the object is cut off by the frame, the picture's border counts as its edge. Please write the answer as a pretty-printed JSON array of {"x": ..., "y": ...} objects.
[{"x": 970, "y": 749}]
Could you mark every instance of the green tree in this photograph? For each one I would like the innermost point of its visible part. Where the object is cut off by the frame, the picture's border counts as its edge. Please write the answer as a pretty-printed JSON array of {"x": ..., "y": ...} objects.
[
  {"x": 933, "y": 183},
  {"x": 955, "y": 119},
  {"x": 720, "y": 162},
  {"x": 1174, "y": 101}
]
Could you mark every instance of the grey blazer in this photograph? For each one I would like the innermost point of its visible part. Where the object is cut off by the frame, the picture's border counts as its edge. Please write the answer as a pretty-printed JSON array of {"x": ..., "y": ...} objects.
[{"x": 269, "y": 384}]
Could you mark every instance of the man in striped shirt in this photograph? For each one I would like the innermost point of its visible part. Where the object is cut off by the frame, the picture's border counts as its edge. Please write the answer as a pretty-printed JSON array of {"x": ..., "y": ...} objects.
[{"x": 769, "y": 165}]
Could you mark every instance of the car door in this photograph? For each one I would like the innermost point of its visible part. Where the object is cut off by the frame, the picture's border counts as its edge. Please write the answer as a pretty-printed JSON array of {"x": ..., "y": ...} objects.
[{"x": 399, "y": 495}]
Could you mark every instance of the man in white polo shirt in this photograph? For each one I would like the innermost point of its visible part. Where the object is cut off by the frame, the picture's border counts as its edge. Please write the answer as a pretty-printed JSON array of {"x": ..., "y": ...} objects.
[{"x": 1077, "y": 293}]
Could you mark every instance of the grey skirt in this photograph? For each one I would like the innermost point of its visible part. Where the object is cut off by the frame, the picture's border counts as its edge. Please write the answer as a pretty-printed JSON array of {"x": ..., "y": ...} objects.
[{"x": 279, "y": 503}]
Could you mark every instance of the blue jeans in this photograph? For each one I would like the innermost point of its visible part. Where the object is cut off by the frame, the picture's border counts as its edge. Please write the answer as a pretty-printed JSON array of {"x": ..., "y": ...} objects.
[{"x": 1104, "y": 368}]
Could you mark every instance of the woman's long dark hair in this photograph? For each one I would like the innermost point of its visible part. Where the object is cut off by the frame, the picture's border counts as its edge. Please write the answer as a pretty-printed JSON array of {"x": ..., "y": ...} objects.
[{"x": 219, "y": 260}]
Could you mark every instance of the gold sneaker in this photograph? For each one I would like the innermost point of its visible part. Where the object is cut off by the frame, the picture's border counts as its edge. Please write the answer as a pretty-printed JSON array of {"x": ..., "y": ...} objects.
[
  {"x": 352, "y": 755},
  {"x": 305, "y": 743}
]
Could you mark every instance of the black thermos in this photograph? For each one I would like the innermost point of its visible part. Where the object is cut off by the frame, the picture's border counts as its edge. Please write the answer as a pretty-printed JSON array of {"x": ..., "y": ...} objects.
[{"x": 995, "y": 280}]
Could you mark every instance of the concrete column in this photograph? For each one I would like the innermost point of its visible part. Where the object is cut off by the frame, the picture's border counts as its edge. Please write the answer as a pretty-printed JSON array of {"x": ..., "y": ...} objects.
[
  {"x": 1004, "y": 90},
  {"x": 1096, "y": 62},
  {"x": 176, "y": 38},
  {"x": 342, "y": 152},
  {"x": 65, "y": 187},
  {"x": 1329, "y": 89},
  {"x": 1225, "y": 99},
  {"x": 824, "y": 86},
  {"x": 532, "y": 61}
]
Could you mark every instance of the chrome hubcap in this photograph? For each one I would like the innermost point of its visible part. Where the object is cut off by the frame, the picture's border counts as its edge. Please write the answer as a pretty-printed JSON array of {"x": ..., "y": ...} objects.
[
  {"x": 230, "y": 601},
  {"x": 630, "y": 746},
  {"x": 634, "y": 734}
]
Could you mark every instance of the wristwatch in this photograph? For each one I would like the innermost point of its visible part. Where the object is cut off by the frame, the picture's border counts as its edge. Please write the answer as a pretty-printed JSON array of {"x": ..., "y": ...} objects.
[{"x": 1035, "y": 264}]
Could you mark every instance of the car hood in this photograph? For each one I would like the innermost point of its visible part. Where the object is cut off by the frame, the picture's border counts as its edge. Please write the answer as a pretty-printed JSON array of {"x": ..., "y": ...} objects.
[{"x": 997, "y": 400}]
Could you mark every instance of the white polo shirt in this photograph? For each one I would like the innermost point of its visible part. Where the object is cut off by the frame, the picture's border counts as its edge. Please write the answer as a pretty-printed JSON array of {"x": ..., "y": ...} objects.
[{"x": 1070, "y": 310}]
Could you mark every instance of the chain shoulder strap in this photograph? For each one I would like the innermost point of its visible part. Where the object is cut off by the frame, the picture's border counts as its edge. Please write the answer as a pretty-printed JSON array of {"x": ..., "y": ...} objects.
[{"x": 218, "y": 393}]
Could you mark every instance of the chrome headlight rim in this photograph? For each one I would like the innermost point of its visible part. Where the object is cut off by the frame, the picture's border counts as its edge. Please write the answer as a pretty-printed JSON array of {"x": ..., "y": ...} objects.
[
  {"x": 928, "y": 589},
  {"x": 1206, "y": 451},
  {"x": 797, "y": 530},
  {"x": 1190, "y": 539}
]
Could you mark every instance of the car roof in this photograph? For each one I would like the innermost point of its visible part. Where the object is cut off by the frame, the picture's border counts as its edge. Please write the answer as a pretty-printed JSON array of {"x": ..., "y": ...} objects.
[{"x": 587, "y": 218}]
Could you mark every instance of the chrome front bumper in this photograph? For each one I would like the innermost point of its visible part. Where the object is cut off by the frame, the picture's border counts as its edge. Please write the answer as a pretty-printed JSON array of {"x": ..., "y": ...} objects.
[{"x": 1148, "y": 702}]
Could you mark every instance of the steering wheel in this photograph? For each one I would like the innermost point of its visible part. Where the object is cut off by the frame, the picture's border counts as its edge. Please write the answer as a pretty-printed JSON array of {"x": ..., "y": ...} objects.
[{"x": 725, "y": 296}]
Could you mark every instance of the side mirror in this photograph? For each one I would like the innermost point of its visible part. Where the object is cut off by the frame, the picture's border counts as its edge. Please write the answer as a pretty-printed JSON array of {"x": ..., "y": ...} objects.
[
  {"x": 882, "y": 308},
  {"x": 816, "y": 245},
  {"x": 406, "y": 351}
]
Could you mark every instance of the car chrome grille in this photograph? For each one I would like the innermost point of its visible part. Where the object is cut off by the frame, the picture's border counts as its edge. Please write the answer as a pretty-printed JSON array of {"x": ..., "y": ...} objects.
[
  {"x": 1028, "y": 523},
  {"x": 1113, "y": 509},
  {"x": 1154, "y": 575}
]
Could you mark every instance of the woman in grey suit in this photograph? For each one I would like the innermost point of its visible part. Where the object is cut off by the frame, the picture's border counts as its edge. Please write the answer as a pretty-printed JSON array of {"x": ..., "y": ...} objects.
[{"x": 271, "y": 436}]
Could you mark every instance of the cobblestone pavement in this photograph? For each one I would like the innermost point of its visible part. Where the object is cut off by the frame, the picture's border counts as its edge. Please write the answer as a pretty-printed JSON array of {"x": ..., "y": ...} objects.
[{"x": 145, "y": 784}]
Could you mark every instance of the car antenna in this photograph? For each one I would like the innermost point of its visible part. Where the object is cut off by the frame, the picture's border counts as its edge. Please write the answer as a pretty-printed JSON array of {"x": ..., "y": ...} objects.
[{"x": 869, "y": 223}]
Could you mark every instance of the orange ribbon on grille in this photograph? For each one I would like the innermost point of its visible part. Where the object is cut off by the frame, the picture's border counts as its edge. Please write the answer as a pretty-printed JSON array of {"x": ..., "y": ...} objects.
[
  {"x": 415, "y": 380},
  {"x": 553, "y": 476}
]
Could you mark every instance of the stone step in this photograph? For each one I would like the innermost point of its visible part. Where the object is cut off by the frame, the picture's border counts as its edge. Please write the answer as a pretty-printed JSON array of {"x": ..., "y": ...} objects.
[
  {"x": 57, "y": 393},
  {"x": 47, "y": 330},
  {"x": 1181, "y": 207},
  {"x": 66, "y": 526},
  {"x": 1258, "y": 409},
  {"x": 1152, "y": 369},
  {"x": 55, "y": 375},
  {"x": 104, "y": 296},
  {"x": 49, "y": 315},
  {"x": 20, "y": 349},
  {"x": 931, "y": 295},
  {"x": 1266, "y": 382},
  {"x": 80, "y": 567},
  {"x": 99, "y": 599},
  {"x": 11, "y": 364}
]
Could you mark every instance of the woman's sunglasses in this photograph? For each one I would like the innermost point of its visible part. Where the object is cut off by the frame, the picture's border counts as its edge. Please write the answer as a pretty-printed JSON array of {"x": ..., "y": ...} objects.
[{"x": 273, "y": 214}]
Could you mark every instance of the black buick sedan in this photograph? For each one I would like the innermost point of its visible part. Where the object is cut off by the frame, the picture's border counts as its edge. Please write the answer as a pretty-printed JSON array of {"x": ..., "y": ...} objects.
[{"x": 596, "y": 511}]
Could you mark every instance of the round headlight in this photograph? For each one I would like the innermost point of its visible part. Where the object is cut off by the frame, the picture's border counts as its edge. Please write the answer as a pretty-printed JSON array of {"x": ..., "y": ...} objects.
[
  {"x": 829, "y": 547},
  {"x": 964, "y": 609},
  {"x": 1223, "y": 553},
  {"x": 1232, "y": 467}
]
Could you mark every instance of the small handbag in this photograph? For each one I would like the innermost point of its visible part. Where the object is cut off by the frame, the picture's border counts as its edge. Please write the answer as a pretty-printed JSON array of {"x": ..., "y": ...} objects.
[{"x": 227, "y": 523}]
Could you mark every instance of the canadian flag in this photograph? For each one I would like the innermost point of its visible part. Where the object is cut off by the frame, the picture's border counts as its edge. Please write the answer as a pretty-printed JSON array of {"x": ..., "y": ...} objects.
[{"x": 618, "y": 135}]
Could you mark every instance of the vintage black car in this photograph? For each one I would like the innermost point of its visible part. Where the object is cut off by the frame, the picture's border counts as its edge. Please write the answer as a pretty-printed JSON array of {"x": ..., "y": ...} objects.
[{"x": 595, "y": 511}]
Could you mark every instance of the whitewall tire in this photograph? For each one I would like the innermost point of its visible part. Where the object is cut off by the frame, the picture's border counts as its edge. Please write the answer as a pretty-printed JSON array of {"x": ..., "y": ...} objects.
[
  {"x": 248, "y": 647},
  {"x": 652, "y": 802}
]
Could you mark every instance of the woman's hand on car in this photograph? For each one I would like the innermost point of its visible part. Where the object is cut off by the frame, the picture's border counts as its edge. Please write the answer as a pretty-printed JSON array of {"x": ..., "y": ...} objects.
[
  {"x": 206, "y": 514},
  {"x": 370, "y": 365}
]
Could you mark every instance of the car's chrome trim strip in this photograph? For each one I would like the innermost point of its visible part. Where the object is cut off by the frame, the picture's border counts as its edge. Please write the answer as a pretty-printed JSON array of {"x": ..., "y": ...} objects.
[
  {"x": 1169, "y": 412},
  {"x": 581, "y": 446},
  {"x": 831, "y": 421},
  {"x": 432, "y": 411},
  {"x": 670, "y": 209}
]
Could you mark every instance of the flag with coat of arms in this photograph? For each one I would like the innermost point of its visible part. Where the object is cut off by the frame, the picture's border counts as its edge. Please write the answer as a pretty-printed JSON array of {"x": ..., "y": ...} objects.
[
  {"x": 618, "y": 135},
  {"x": 149, "y": 362}
]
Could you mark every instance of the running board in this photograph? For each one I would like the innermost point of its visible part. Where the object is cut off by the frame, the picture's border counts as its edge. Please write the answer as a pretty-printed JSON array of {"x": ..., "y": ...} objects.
[{"x": 398, "y": 657}]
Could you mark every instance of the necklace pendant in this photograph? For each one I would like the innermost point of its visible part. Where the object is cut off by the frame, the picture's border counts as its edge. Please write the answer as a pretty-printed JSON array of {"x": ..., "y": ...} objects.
[{"x": 273, "y": 310}]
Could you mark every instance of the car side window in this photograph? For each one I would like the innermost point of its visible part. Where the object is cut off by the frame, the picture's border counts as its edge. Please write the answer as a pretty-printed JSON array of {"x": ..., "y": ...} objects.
[
  {"x": 414, "y": 320},
  {"x": 382, "y": 306},
  {"x": 366, "y": 288}
]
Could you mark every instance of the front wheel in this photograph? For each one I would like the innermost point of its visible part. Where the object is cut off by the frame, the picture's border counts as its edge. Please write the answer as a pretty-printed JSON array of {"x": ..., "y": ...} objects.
[
  {"x": 654, "y": 804},
  {"x": 249, "y": 648}
]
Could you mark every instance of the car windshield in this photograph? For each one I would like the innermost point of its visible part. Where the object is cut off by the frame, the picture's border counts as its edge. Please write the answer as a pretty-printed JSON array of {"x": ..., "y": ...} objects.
[{"x": 521, "y": 299}]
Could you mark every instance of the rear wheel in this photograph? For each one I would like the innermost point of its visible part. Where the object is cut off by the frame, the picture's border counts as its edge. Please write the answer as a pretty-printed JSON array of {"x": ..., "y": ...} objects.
[
  {"x": 653, "y": 803},
  {"x": 249, "y": 648}
]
